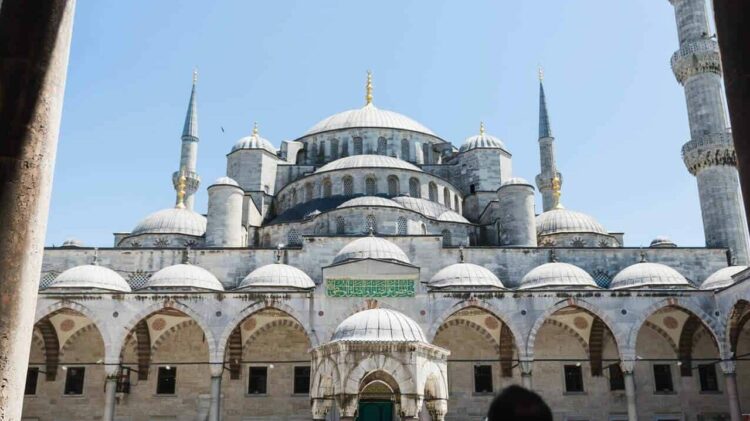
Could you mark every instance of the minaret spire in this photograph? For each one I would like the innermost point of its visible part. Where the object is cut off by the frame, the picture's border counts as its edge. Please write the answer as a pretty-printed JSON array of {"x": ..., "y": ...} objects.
[
  {"x": 190, "y": 129},
  {"x": 549, "y": 181},
  {"x": 189, "y": 151},
  {"x": 544, "y": 128}
]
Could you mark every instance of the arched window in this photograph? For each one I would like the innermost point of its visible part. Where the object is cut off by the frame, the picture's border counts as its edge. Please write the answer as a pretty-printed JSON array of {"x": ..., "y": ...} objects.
[
  {"x": 455, "y": 204},
  {"x": 314, "y": 154},
  {"x": 446, "y": 238},
  {"x": 415, "y": 189},
  {"x": 424, "y": 229},
  {"x": 357, "y": 146},
  {"x": 446, "y": 197},
  {"x": 294, "y": 197},
  {"x": 433, "y": 191},
  {"x": 322, "y": 151},
  {"x": 340, "y": 225},
  {"x": 370, "y": 186},
  {"x": 401, "y": 225},
  {"x": 426, "y": 153},
  {"x": 405, "y": 150},
  {"x": 348, "y": 185},
  {"x": 293, "y": 238},
  {"x": 382, "y": 146},
  {"x": 371, "y": 224},
  {"x": 334, "y": 148},
  {"x": 345, "y": 148},
  {"x": 266, "y": 240},
  {"x": 393, "y": 186},
  {"x": 327, "y": 187},
  {"x": 308, "y": 192}
]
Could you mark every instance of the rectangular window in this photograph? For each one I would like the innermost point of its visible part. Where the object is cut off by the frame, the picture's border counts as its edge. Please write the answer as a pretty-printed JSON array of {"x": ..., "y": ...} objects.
[
  {"x": 74, "y": 380},
  {"x": 663, "y": 378},
  {"x": 616, "y": 380},
  {"x": 257, "y": 381},
  {"x": 483, "y": 379},
  {"x": 32, "y": 375},
  {"x": 166, "y": 381},
  {"x": 302, "y": 380},
  {"x": 707, "y": 375},
  {"x": 573, "y": 378}
]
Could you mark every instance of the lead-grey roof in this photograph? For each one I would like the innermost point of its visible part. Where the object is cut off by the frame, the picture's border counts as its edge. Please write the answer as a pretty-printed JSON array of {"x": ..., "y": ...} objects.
[
  {"x": 545, "y": 130},
  {"x": 430, "y": 209},
  {"x": 648, "y": 274},
  {"x": 369, "y": 201},
  {"x": 90, "y": 276},
  {"x": 190, "y": 129},
  {"x": 465, "y": 275},
  {"x": 254, "y": 141},
  {"x": 368, "y": 116},
  {"x": 555, "y": 275},
  {"x": 184, "y": 276},
  {"x": 371, "y": 248},
  {"x": 482, "y": 141},
  {"x": 172, "y": 221},
  {"x": 564, "y": 220},
  {"x": 277, "y": 275},
  {"x": 367, "y": 161},
  {"x": 722, "y": 278},
  {"x": 378, "y": 325}
]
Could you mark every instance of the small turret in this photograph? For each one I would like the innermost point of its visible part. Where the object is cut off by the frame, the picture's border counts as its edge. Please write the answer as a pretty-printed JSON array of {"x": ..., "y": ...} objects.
[
  {"x": 515, "y": 214},
  {"x": 224, "y": 225}
]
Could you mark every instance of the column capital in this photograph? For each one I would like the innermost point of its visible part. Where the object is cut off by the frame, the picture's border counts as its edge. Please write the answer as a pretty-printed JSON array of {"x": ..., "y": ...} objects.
[
  {"x": 216, "y": 369},
  {"x": 627, "y": 365},
  {"x": 728, "y": 366}
]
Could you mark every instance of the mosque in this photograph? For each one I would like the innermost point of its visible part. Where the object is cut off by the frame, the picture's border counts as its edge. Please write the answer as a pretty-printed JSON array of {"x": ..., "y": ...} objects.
[{"x": 370, "y": 270}]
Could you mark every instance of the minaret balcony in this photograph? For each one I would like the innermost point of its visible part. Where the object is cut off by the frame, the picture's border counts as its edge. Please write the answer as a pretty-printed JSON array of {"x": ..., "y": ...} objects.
[
  {"x": 192, "y": 181},
  {"x": 709, "y": 150},
  {"x": 695, "y": 57}
]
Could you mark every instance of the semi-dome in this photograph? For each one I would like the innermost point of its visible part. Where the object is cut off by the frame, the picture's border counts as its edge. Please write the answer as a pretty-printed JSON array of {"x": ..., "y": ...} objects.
[
  {"x": 647, "y": 274},
  {"x": 367, "y": 161},
  {"x": 516, "y": 181},
  {"x": 226, "y": 181},
  {"x": 451, "y": 216},
  {"x": 365, "y": 117},
  {"x": 371, "y": 248},
  {"x": 482, "y": 141},
  {"x": 172, "y": 221},
  {"x": 465, "y": 275},
  {"x": 429, "y": 208},
  {"x": 379, "y": 325},
  {"x": 91, "y": 276},
  {"x": 555, "y": 275},
  {"x": 184, "y": 275},
  {"x": 277, "y": 275},
  {"x": 722, "y": 278},
  {"x": 563, "y": 220},
  {"x": 369, "y": 201},
  {"x": 254, "y": 141}
]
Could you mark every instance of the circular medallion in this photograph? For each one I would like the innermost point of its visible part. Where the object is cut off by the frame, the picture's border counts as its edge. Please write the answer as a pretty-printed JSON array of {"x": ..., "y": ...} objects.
[
  {"x": 670, "y": 322},
  {"x": 67, "y": 325},
  {"x": 580, "y": 322},
  {"x": 249, "y": 324},
  {"x": 491, "y": 322},
  {"x": 159, "y": 324}
]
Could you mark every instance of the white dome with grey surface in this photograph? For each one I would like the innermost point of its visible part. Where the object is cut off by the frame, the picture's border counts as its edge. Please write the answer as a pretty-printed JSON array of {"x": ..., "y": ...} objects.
[
  {"x": 465, "y": 275},
  {"x": 184, "y": 275},
  {"x": 722, "y": 278},
  {"x": 369, "y": 201},
  {"x": 368, "y": 116},
  {"x": 379, "y": 325},
  {"x": 371, "y": 248},
  {"x": 367, "y": 161},
  {"x": 557, "y": 275},
  {"x": 172, "y": 221},
  {"x": 277, "y": 275},
  {"x": 648, "y": 275},
  {"x": 562, "y": 220},
  {"x": 90, "y": 277}
]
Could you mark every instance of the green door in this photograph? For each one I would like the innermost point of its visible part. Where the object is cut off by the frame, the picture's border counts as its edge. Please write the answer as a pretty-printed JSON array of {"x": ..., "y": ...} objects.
[{"x": 375, "y": 411}]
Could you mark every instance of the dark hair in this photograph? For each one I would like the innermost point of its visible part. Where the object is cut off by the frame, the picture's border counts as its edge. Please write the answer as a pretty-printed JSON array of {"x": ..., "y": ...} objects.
[{"x": 518, "y": 404}]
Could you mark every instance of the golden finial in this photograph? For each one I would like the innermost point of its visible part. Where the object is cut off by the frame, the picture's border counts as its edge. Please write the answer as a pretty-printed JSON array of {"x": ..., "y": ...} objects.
[
  {"x": 481, "y": 128},
  {"x": 541, "y": 73},
  {"x": 195, "y": 76},
  {"x": 255, "y": 129},
  {"x": 368, "y": 94},
  {"x": 181, "y": 185},
  {"x": 556, "y": 187}
]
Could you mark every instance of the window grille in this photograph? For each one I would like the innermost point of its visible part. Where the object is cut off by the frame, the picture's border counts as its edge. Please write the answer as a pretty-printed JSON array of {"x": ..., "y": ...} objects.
[
  {"x": 327, "y": 188},
  {"x": 382, "y": 146},
  {"x": 414, "y": 188},
  {"x": 446, "y": 238},
  {"x": 293, "y": 238},
  {"x": 348, "y": 186},
  {"x": 371, "y": 223},
  {"x": 393, "y": 187},
  {"x": 334, "y": 148},
  {"x": 447, "y": 197},
  {"x": 602, "y": 278},
  {"x": 402, "y": 225},
  {"x": 357, "y": 146},
  {"x": 47, "y": 279},
  {"x": 340, "y": 225},
  {"x": 138, "y": 279},
  {"x": 370, "y": 188},
  {"x": 433, "y": 192},
  {"x": 405, "y": 150}
]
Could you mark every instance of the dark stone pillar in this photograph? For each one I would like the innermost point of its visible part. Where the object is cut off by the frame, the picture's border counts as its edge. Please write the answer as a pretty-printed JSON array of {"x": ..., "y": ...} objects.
[{"x": 34, "y": 48}]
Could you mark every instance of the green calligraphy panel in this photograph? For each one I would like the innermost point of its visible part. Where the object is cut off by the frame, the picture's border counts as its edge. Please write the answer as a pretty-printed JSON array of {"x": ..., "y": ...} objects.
[{"x": 370, "y": 288}]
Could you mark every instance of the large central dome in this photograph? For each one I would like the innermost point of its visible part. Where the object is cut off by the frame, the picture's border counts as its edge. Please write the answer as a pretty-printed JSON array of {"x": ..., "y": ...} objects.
[{"x": 368, "y": 116}]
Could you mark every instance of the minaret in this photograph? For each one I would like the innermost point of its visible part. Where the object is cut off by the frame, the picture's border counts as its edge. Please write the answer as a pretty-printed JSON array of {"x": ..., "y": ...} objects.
[
  {"x": 189, "y": 153},
  {"x": 709, "y": 154},
  {"x": 549, "y": 180}
]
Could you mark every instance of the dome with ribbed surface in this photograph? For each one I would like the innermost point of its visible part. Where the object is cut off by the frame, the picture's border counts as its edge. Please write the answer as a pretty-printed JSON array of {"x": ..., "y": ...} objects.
[
  {"x": 482, "y": 141},
  {"x": 90, "y": 277},
  {"x": 379, "y": 325},
  {"x": 555, "y": 275},
  {"x": 429, "y": 208},
  {"x": 368, "y": 116},
  {"x": 515, "y": 181},
  {"x": 563, "y": 220},
  {"x": 371, "y": 248},
  {"x": 172, "y": 221},
  {"x": 277, "y": 275},
  {"x": 254, "y": 141},
  {"x": 184, "y": 276},
  {"x": 369, "y": 201},
  {"x": 225, "y": 181},
  {"x": 647, "y": 274},
  {"x": 662, "y": 242},
  {"x": 722, "y": 278},
  {"x": 367, "y": 161},
  {"x": 73, "y": 243},
  {"x": 465, "y": 275}
]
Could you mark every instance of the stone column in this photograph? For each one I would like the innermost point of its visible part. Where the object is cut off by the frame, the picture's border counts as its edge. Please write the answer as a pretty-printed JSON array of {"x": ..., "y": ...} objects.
[
  {"x": 526, "y": 367},
  {"x": 320, "y": 408},
  {"x": 729, "y": 368},
  {"x": 110, "y": 389},
  {"x": 34, "y": 48},
  {"x": 628, "y": 374},
  {"x": 214, "y": 413}
]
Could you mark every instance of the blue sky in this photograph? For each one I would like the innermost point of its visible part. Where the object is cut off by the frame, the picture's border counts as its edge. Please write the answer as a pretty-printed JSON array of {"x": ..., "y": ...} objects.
[{"x": 616, "y": 111}]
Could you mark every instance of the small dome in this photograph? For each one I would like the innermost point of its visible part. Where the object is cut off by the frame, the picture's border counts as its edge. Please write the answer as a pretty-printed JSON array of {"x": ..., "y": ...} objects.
[
  {"x": 277, "y": 275},
  {"x": 225, "y": 181},
  {"x": 465, "y": 275},
  {"x": 379, "y": 325},
  {"x": 647, "y": 274},
  {"x": 367, "y": 161},
  {"x": 563, "y": 220},
  {"x": 451, "y": 216},
  {"x": 73, "y": 243},
  {"x": 184, "y": 276},
  {"x": 371, "y": 248},
  {"x": 91, "y": 276},
  {"x": 369, "y": 201},
  {"x": 557, "y": 274},
  {"x": 662, "y": 242},
  {"x": 172, "y": 221},
  {"x": 254, "y": 141},
  {"x": 365, "y": 117},
  {"x": 516, "y": 181},
  {"x": 722, "y": 278},
  {"x": 482, "y": 141}
]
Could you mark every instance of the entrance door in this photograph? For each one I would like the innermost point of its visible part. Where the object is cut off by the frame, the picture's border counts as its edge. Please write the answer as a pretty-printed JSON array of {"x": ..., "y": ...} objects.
[{"x": 375, "y": 411}]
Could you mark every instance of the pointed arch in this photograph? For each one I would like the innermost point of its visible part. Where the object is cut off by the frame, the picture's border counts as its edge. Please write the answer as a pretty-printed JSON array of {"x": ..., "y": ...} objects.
[
  {"x": 691, "y": 325},
  {"x": 738, "y": 317},
  {"x": 111, "y": 350},
  {"x": 51, "y": 345}
]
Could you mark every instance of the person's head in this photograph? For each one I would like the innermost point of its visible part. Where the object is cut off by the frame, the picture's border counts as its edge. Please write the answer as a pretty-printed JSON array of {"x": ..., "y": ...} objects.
[{"x": 518, "y": 404}]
